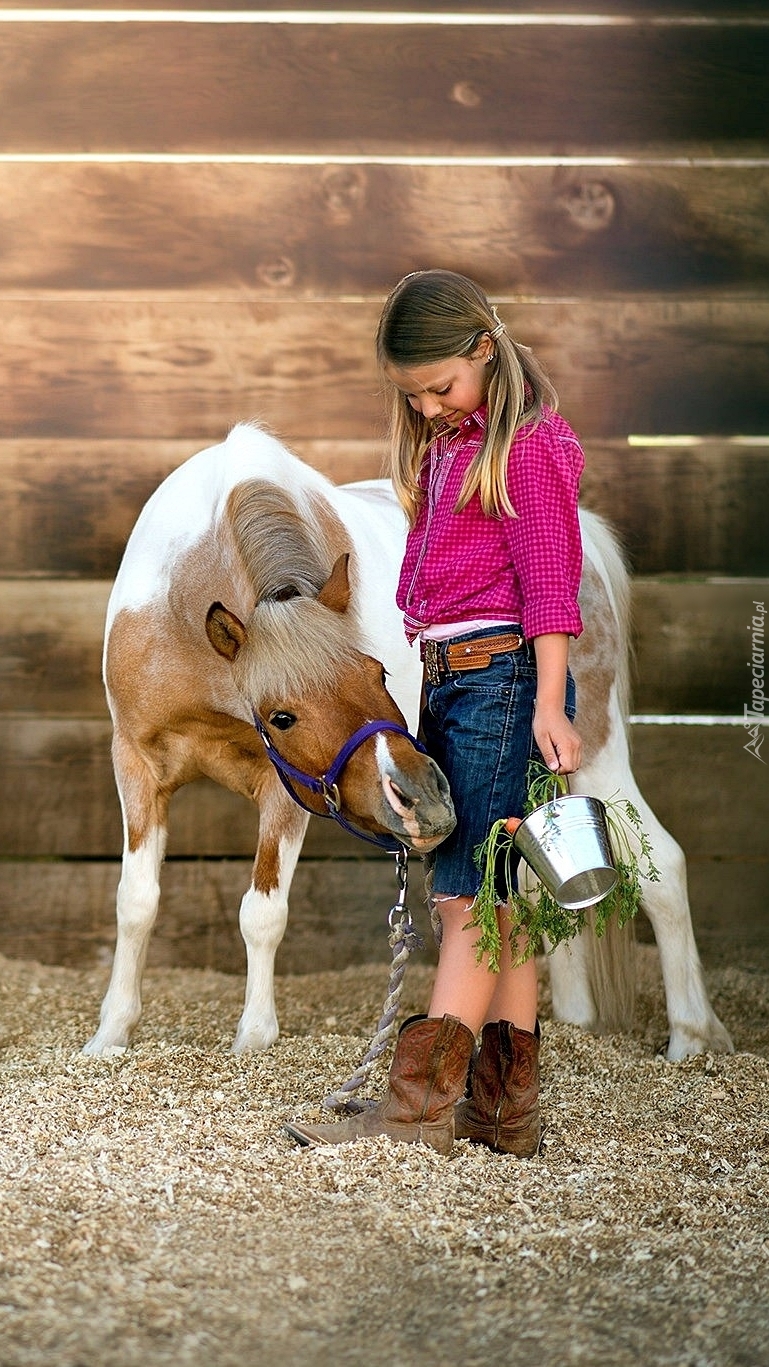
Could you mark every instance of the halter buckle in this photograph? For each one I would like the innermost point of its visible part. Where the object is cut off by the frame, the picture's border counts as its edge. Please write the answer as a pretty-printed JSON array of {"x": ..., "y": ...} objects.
[{"x": 331, "y": 797}]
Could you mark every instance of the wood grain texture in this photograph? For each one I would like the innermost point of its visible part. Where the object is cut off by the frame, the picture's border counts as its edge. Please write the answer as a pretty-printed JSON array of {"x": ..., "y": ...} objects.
[
  {"x": 338, "y": 915},
  {"x": 69, "y": 505},
  {"x": 59, "y": 798},
  {"x": 421, "y": 89},
  {"x": 691, "y": 645},
  {"x": 684, "y": 509},
  {"x": 336, "y": 918},
  {"x": 316, "y": 231},
  {"x": 180, "y": 364},
  {"x": 688, "y": 641}
]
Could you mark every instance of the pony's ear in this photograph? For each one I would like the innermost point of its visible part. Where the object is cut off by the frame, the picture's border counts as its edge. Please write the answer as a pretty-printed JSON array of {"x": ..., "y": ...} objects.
[
  {"x": 225, "y": 631},
  {"x": 335, "y": 593}
]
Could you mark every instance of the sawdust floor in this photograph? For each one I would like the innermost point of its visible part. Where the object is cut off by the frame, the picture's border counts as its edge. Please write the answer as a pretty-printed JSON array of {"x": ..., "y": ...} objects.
[{"x": 153, "y": 1212}]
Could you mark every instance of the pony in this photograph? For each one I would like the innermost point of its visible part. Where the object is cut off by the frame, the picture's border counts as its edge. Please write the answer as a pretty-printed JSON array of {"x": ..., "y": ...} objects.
[{"x": 252, "y": 636}]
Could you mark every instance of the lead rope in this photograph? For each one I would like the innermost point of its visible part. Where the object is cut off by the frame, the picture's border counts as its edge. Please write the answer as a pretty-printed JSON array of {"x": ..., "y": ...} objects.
[{"x": 403, "y": 940}]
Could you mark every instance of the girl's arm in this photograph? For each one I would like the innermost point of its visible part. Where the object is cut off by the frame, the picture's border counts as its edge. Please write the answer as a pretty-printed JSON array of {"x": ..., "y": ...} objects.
[{"x": 558, "y": 740}]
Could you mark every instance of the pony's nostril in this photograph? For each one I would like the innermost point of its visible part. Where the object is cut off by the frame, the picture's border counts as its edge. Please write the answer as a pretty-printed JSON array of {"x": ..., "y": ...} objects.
[
  {"x": 408, "y": 802},
  {"x": 442, "y": 781}
]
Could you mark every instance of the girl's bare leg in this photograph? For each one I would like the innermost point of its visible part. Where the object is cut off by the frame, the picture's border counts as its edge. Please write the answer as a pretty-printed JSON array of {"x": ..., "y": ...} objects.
[{"x": 465, "y": 988}]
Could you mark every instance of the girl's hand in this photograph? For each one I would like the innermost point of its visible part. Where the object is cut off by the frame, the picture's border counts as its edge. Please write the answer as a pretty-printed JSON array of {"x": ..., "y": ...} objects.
[{"x": 559, "y": 741}]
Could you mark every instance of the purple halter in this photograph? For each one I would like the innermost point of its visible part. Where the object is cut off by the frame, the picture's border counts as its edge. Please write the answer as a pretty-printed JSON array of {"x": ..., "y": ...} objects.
[{"x": 326, "y": 785}]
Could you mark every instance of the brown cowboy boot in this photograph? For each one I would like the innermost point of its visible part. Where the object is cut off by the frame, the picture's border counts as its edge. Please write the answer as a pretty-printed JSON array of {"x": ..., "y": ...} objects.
[
  {"x": 427, "y": 1075},
  {"x": 502, "y": 1109}
]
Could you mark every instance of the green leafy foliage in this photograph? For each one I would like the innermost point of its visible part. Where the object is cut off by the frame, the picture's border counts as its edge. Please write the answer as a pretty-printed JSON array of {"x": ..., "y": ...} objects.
[{"x": 530, "y": 921}]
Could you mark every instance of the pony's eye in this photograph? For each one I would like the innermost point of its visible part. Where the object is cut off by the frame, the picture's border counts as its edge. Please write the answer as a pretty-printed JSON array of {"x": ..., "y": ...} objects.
[{"x": 282, "y": 720}]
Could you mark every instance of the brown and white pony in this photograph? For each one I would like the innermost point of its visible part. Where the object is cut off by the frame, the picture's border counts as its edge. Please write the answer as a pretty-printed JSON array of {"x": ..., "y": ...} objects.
[{"x": 252, "y": 589}]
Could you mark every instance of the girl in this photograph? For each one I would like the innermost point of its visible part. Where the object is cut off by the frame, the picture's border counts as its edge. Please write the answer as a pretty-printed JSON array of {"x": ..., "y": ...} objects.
[{"x": 488, "y": 475}]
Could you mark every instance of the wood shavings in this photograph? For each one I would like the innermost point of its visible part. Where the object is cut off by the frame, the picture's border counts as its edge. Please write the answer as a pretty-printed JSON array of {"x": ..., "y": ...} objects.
[{"x": 154, "y": 1212}]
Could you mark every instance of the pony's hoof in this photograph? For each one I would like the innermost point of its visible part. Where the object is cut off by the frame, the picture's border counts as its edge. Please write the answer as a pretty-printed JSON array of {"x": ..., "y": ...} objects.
[
  {"x": 255, "y": 1039},
  {"x": 95, "y": 1049},
  {"x": 684, "y": 1042}
]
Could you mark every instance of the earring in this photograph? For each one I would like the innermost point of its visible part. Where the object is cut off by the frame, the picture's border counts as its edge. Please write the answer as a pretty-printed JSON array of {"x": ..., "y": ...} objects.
[{"x": 489, "y": 358}]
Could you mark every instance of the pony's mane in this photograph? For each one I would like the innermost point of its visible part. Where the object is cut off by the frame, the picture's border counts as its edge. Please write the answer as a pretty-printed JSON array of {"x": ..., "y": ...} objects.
[
  {"x": 303, "y": 647},
  {"x": 288, "y": 546},
  {"x": 277, "y": 545}
]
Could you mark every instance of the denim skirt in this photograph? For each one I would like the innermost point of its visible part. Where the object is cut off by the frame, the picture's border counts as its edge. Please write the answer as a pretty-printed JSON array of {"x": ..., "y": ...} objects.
[{"x": 476, "y": 724}]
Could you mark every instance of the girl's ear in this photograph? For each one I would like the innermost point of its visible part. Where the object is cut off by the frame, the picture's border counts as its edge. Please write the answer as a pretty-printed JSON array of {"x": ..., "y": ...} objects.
[{"x": 484, "y": 351}]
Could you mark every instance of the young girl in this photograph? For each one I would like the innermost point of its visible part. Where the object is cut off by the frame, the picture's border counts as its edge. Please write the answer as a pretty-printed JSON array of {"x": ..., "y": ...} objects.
[{"x": 488, "y": 475}]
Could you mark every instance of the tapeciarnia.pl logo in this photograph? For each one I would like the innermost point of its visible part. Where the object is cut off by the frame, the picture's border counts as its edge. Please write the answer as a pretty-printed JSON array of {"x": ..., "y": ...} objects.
[{"x": 754, "y": 711}]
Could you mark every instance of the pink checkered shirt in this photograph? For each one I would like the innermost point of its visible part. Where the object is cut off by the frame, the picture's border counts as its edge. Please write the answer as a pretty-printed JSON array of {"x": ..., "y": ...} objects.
[{"x": 466, "y": 567}]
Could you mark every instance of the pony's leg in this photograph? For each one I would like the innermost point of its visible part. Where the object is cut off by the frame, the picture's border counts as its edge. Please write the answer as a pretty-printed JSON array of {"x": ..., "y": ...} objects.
[
  {"x": 694, "y": 1026},
  {"x": 138, "y": 894},
  {"x": 263, "y": 916}
]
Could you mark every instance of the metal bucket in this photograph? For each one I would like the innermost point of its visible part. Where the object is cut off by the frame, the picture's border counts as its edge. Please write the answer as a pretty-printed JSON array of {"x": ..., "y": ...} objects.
[{"x": 566, "y": 843}]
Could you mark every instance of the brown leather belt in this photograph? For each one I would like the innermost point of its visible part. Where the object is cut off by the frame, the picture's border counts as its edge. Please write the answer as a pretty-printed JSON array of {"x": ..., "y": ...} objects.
[{"x": 441, "y": 659}]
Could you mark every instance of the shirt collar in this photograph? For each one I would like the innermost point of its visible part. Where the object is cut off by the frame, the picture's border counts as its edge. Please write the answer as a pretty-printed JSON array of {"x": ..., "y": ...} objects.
[
  {"x": 474, "y": 422},
  {"x": 476, "y": 419}
]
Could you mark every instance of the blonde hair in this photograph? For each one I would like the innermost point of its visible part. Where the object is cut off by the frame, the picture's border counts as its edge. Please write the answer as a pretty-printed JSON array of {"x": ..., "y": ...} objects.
[{"x": 434, "y": 316}]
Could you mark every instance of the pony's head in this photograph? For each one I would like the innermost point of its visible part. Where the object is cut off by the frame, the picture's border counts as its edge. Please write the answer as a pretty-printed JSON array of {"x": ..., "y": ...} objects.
[{"x": 300, "y": 667}]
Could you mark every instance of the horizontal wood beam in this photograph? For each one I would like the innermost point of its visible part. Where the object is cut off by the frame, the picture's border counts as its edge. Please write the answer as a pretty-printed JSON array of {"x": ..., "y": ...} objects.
[
  {"x": 337, "y": 917},
  {"x": 338, "y": 914},
  {"x": 59, "y": 800},
  {"x": 315, "y": 231},
  {"x": 701, "y": 507},
  {"x": 69, "y": 504},
  {"x": 169, "y": 367},
  {"x": 689, "y": 645},
  {"x": 413, "y": 88},
  {"x": 691, "y": 508}
]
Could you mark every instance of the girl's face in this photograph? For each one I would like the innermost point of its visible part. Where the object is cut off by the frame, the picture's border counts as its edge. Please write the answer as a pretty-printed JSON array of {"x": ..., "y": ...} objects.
[{"x": 446, "y": 390}]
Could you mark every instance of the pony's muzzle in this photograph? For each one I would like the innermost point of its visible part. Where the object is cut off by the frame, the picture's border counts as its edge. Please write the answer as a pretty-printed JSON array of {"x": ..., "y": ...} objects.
[{"x": 424, "y": 810}]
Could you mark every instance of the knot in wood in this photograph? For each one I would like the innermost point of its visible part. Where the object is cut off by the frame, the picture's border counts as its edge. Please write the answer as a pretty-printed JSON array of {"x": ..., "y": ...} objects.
[
  {"x": 277, "y": 272},
  {"x": 466, "y": 94},
  {"x": 589, "y": 203},
  {"x": 344, "y": 190}
]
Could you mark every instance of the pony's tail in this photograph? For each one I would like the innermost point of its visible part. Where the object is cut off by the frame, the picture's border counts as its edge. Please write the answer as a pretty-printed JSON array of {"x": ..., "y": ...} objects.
[
  {"x": 610, "y": 963},
  {"x": 605, "y": 553}
]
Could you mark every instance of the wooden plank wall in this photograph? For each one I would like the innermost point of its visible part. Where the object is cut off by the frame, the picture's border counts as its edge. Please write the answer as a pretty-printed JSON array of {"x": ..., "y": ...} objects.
[{"x": 200, "y": 214}]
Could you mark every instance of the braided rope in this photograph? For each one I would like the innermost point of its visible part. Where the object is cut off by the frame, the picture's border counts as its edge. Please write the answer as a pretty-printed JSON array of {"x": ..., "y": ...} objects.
[{"x": 403, "y": 940}]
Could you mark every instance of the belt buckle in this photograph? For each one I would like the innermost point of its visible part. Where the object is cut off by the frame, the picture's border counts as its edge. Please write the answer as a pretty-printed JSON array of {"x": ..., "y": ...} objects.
[{"x": 432, "y": 662}]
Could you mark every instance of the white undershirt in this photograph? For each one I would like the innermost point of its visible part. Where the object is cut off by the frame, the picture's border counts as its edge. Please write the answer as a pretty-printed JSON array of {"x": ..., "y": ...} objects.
[{"x": 441, "y": 631}]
